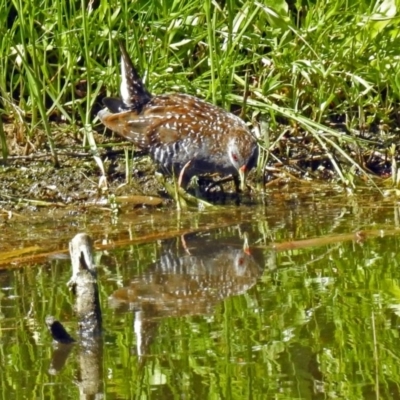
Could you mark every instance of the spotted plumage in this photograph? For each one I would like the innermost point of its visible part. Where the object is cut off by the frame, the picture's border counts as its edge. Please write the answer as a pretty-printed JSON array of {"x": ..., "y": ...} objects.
[{"x": 183, "y": 134}]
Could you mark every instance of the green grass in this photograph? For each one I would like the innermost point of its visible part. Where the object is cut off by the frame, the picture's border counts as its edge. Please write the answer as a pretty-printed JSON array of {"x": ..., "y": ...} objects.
[{"x": 307, "y": 67}]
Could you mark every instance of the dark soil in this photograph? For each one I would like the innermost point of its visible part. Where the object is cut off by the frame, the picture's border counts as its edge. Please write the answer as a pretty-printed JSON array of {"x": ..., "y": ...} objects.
[
  {"x": 29, "y": 181},
  {"x": 33, "y": 180}
]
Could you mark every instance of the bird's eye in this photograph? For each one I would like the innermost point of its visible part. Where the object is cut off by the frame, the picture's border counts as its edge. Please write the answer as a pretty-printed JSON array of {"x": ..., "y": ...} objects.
[{"x": 235, "y": 157}]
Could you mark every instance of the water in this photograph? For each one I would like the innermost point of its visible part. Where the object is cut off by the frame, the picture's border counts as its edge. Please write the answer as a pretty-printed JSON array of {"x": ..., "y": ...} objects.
[{"x": 310, "y": 310}]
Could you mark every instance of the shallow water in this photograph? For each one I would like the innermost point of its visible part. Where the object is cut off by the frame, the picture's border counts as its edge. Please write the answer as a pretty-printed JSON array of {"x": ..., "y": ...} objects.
[{"x": 310, "y": 310}]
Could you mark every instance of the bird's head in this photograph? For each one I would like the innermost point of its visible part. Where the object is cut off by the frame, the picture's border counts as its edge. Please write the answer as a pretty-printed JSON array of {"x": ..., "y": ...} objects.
[{"x": 243, "y": 155}]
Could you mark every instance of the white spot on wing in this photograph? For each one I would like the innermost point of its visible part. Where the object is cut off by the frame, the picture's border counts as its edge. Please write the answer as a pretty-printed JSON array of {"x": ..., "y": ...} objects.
[{"x": 126, "y": 98}]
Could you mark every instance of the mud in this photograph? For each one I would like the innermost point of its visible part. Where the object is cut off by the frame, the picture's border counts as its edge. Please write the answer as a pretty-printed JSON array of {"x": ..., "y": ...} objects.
[{"x": 29, "y": 180}]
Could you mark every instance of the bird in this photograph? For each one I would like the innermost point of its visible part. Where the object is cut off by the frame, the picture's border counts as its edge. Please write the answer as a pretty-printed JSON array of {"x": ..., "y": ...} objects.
[
  {"x": 186, "y": 280},
  {"x": 184, "y": 135}
]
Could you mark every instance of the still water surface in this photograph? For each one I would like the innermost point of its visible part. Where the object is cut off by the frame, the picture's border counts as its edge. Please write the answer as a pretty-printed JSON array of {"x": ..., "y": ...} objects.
[{"x": 310, "y": 310}]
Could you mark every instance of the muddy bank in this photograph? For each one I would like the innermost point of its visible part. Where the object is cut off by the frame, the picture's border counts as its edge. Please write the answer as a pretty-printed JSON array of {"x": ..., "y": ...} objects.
[
  {"x": 33, "y": 182},
  {"x": 28, "y": 181}
]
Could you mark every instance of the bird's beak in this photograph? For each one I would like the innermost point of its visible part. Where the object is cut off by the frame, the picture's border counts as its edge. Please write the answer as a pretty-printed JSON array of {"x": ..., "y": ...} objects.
[
  {"x": 246, "y": 247},
  {"x": 242, "y": 176}
]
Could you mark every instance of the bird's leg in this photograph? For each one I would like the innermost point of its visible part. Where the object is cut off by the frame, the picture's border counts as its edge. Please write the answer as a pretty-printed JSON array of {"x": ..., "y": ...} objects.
[
  {"x": 236, "y": 181},
  {"x": 182, "y": 173},
  {"x": 184, "y": 245}
]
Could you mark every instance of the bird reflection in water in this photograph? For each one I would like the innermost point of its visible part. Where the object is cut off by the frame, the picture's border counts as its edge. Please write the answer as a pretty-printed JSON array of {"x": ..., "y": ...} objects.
[{"x": 187, "y": 280}]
